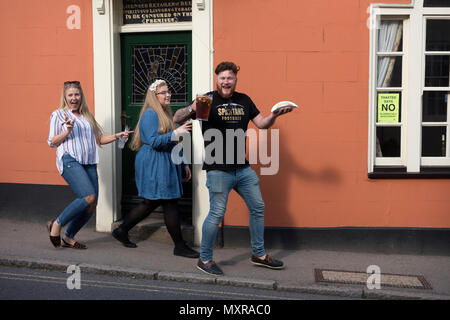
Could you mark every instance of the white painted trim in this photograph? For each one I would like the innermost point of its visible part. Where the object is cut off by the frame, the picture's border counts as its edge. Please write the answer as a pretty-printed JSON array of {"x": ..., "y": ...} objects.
[
  {"x": 436, "y": 88},
  {"x": 372, "y": 83},
  {"x": 404, "y": 92},
  {"x": 435, "y": 161},
  {"x": 107, "y": 27},
  {"x": 202, "y": 81},
  {"x": 396, "y": 6},
  {"x": 388, "y": 161},
  {"x": 162, "y": 27},
  {"x": 432, "y": 11},
  {"x": 106, "y": 98}
]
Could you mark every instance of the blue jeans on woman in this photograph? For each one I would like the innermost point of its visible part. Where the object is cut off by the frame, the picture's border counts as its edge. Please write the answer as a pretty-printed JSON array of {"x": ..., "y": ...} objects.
[
  {"x": 246, "y": 183},
  {"x": 83, "y": 180}
]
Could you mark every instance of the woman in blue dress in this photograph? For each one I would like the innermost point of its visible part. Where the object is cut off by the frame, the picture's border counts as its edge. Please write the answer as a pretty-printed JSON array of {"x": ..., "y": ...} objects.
[{"x": 158, "y": 178}]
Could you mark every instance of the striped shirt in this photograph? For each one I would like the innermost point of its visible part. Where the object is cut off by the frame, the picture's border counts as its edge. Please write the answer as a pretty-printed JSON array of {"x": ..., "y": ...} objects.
[{"x": 80, "y": 143}]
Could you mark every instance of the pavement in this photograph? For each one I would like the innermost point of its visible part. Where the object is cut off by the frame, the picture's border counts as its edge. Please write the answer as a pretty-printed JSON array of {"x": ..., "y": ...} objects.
[{"x": 25, "y": 243}]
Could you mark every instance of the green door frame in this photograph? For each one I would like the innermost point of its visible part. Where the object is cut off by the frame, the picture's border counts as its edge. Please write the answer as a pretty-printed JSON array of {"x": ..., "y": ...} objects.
[{"x": 128, "y": 41}]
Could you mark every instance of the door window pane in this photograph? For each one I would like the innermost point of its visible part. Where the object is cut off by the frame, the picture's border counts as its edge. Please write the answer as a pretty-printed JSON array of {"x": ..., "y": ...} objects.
[
  {"x": 436, "y": 3},
  {"x": 438, "y": 35},
  {"x": 434, "y": 106},
  {"x": 167, "y": 62},
  {"x": 433, "y": 141},
  {"x": 437, "y": 71},
  {"x": 388, "y": 141}
]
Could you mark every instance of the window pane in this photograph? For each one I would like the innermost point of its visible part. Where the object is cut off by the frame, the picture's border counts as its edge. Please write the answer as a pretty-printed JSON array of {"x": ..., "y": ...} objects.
[
  {"x": 436, "y": 3},
  {"x": 438, "y": 35},
  {"x": 433, "y": 141},
  {"x": 434, "y": 106},
  {"x": 389, "y": 72},
  {"x": 388, "y": 141},
  {"x": 437, "y": 71},
  {"x": 390, "y": 36}
]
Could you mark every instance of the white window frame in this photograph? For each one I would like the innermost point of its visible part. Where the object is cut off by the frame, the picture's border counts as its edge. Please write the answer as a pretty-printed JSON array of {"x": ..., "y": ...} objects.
[
  {"x": 397, "y": 161},
  {"x": 414, "y": 16},
  {"x": 436, "y": 161}
]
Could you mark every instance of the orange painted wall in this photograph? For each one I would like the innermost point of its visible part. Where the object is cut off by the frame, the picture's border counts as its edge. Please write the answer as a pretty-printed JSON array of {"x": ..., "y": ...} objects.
[
  {"x": 37, "y": 54},
  {"x": 316, "y": 53}
]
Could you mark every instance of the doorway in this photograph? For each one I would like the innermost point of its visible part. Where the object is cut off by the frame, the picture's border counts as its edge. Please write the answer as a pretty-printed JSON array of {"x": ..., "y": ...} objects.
[{"x": 145, "y": 58}]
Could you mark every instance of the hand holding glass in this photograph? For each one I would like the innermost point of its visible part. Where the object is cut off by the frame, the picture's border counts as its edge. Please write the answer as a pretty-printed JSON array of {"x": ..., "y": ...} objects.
[{"x": 203, "y": 107}]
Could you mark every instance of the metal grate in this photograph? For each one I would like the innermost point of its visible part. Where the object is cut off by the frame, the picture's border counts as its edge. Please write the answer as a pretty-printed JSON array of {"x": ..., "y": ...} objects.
[{"x": 357, "y": 277}]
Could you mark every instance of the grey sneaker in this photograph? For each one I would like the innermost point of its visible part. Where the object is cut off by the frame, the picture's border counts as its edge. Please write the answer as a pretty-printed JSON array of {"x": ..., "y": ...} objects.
[
  {"x": 268, "y": 262},
  {"x": 209, "y": 268}
]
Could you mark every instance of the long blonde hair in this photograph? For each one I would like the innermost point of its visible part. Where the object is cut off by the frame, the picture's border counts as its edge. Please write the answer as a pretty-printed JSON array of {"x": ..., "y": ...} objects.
[
  {"x": 164, "y": 115},
  {"x": 84, "y": 109}
]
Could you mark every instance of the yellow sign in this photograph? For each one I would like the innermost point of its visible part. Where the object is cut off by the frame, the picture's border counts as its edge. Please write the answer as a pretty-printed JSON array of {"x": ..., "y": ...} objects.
[{"x": 388, "y": 107}]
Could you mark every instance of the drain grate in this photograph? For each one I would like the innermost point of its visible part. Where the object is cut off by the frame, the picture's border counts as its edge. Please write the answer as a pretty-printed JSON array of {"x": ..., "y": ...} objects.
[{"x": 357, "y": 277}]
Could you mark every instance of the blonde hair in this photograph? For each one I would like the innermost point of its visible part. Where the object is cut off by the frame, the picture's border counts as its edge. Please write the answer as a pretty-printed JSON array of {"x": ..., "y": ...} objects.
[
  {"x": 164, "y": 115},
  {"x": 84, "y": 109}
]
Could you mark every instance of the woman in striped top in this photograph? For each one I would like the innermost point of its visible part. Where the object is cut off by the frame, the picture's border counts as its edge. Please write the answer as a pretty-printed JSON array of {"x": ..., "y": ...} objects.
[{"x": 75, "y": 133}]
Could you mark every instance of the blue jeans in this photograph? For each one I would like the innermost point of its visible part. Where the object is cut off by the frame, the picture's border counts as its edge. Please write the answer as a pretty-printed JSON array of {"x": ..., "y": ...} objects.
[
  {"x": 246, "y": 183},
  {"x": 83, "y": 180}
]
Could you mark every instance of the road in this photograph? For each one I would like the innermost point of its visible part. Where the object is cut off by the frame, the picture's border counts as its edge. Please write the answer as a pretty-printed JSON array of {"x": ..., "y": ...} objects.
[{"x": 35, "y": 284}]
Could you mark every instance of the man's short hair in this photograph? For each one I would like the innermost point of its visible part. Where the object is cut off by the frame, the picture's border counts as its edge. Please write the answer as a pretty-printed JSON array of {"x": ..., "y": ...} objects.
[{"x": 223, "y": 66}]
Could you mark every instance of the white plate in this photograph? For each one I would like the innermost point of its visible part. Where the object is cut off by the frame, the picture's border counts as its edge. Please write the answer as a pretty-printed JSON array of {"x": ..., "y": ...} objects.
[{"x": 283, "y": 104}]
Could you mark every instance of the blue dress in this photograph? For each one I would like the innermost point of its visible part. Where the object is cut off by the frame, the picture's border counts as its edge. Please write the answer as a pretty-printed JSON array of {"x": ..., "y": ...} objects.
[{"x": 157, "y": 177}]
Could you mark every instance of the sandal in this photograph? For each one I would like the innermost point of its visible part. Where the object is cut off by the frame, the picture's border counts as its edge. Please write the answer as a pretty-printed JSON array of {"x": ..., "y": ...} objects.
[
  {"x": 56, "y": 241},
  {"x": 76, "y": 245}
]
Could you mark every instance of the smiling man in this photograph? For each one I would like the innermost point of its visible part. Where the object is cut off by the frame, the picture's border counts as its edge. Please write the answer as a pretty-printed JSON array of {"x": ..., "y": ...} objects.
[{"x": 231, "y": 111}]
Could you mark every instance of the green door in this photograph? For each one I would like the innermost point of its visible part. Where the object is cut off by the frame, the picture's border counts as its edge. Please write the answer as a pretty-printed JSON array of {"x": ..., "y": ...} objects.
[{"x": 145, "y": 58}]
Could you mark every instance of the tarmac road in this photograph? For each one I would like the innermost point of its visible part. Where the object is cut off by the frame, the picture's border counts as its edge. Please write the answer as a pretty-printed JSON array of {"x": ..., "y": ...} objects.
[{"x": 36, "y": 284}]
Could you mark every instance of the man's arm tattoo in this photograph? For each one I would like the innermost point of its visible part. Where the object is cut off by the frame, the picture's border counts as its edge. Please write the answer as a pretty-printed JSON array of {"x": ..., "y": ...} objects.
[{"x": 182, "y": 115}]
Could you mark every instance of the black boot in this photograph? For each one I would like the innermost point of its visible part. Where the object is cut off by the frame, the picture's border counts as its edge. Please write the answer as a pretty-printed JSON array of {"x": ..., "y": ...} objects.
[
  {"x": 122, "y": 236},
  {"x": 182, "y": 250}
]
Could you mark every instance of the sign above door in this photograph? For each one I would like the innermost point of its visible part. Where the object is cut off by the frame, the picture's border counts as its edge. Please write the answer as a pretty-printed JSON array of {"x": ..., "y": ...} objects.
[{"x": 156, "y": 11}]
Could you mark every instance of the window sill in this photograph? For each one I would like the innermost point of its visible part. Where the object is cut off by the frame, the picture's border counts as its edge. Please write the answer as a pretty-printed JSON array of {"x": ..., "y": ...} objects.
[{"x": 382, "y": 172}]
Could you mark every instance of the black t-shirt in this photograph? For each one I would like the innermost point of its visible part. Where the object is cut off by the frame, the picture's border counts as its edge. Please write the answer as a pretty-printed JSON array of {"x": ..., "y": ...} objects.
[{"x": 229, "y": 119}]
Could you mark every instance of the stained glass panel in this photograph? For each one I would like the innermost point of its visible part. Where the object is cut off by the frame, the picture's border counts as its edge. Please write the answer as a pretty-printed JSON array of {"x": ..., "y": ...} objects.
[{"x": 167, "y": 62}]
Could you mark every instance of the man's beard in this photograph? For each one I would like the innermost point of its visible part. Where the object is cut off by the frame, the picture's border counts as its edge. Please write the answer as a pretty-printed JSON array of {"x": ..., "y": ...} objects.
[{"x": 223, "y": 95}]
